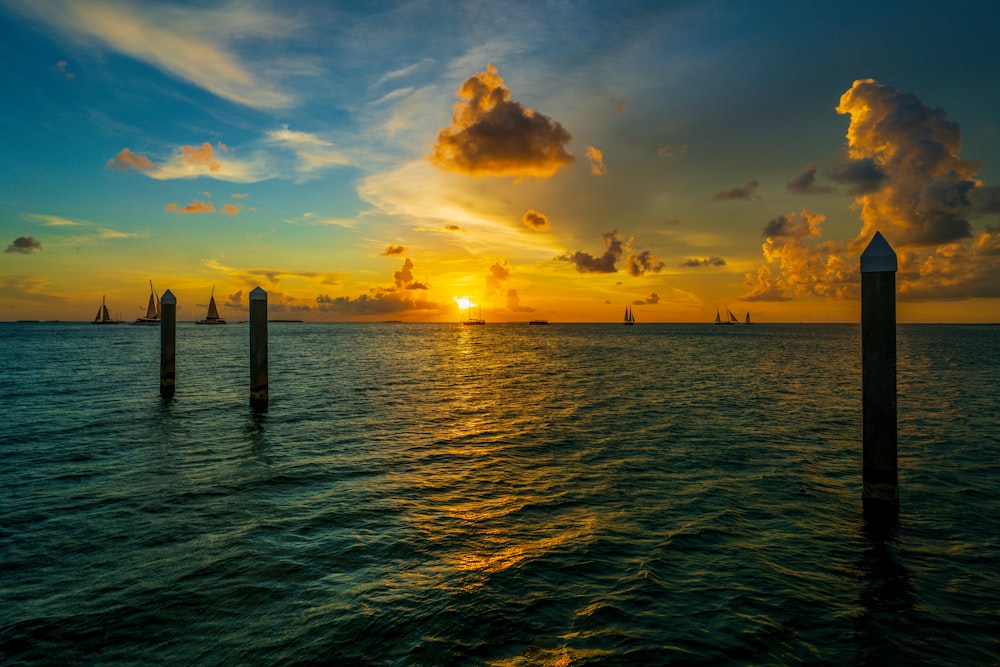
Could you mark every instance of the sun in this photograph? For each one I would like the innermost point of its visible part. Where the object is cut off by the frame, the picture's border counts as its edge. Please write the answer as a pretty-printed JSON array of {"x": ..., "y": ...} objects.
[{"x": 464, "y": 302}]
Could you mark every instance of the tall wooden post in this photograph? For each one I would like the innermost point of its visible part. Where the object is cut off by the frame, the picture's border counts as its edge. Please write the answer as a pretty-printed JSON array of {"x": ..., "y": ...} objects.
[
  {"x": 258, "y": 348},
  {"x": 168, "y": 343},
  {"x": 880, "y": 493}
]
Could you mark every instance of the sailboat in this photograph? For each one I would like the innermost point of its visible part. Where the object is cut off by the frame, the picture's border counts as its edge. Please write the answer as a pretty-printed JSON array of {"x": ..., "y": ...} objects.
[
  {"x": 103, "y": 316},
  {"x": 475, "y": 320},
  {"x": 629, "y": 317},
  {"x": 213, "y": 312},
  {"x": 152, "y": 317},
  {"x": 732, "y": 318},
  {"x": 748, "y": 317}
]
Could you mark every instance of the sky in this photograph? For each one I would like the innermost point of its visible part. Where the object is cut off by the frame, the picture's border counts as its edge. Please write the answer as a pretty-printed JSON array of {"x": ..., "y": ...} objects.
[{"x": 541, "y": 160}]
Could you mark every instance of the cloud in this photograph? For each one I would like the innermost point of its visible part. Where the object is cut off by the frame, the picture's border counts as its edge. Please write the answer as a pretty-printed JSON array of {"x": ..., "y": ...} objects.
[
  {"x": 126, "y": 159},
  {"x": 234, "y": 300},
  {"x": 271, "y": 276},
  {"x": 24, "y": 245},
  {"x": 394, "y": 250},
  {"x": 805, "y": 183},
  {"x": 928, "y": 193},
  {"x": 193, "y": 207},
  {"x": 403, "y": 296},
  {"x": 55, "y": 220},
  {"x": 63, "y": 66},
  {"x": 493, "y": 135},
  {"x": 499, "y": 274},
  {"x": 532, "y": 219},
  {"x": 239, "y": 196},
  {"x": 650, "y": 300},
  {"x": 192, "y": 162},
  {"x": 312, "y": 152},
  {"x": 709, "y": 261},
  {"x": 596, "y": 159},
  {"x": 187, "y": 43},
  {"x": 27, "y": 288},
  {"x": 744, "y": 191},
  {"x": 794, "y": 269},
  {"x": 861, "y": 176},
  {"x": 671, "y": 151},
  {"x": 587, "y": 263},
  {"x": 514, "y": 303},
  {"x": 229, "y": 209},
  {"x": 645, "y": 261}
]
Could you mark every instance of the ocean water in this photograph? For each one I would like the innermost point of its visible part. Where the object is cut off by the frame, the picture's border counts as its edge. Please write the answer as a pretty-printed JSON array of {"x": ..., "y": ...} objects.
[{"x": 501, "y": 495}]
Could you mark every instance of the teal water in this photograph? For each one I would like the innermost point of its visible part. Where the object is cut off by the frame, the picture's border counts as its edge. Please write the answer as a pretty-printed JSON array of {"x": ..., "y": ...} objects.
[{"x": 498, "y": 495}]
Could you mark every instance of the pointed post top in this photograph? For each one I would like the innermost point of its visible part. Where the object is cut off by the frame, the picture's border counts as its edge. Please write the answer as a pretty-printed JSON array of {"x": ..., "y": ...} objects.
[
  {"x": 168, "y": 299},
  {"x": 879, "y": 256},
  {"x": 257, "y": 294}
]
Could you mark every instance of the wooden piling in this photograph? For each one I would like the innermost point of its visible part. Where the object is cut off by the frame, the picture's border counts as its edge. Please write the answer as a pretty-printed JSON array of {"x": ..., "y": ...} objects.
[
  {"x": 168, "y": 343},
  {"x": 880, "y": 491},
  {"x": 258, "y": 349}
]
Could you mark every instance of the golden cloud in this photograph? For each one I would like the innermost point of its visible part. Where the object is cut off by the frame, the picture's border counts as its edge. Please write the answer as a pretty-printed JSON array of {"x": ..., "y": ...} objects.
[
  {"x": 126, "y": 159},
  {"x": 229, "y": 209},
  {"x": 532, "y": 219},
  {"x": 193, "y": 207},
  {"x": 596, "y": 159},
  {"x": 493, "y": 135}
]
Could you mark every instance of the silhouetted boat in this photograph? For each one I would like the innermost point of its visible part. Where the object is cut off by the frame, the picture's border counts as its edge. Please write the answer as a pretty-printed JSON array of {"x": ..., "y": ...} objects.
[
  {"x": 538, "y": 322},
  {"x": 213, "y": 312},
  {"x": 748, "y": 317},
  {"x": 629, "y": 316},
  {"x": 152, "y": 317},
  {"x": 731, "y": 319},
  {"x": 475, "y": 320},
  {"x": 103, "y": 316}
]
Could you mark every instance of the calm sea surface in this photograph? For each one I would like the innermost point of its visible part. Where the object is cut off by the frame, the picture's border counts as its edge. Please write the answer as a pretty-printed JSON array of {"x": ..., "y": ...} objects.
[{"x": 499, "y": 495}]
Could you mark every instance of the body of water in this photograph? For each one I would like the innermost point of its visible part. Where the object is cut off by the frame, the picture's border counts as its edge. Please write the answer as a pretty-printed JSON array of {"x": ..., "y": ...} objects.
[{"x": 499, "y": 495}]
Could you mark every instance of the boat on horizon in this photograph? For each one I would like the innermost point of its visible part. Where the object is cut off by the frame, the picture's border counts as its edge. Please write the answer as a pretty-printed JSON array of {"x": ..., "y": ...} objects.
[
  {"x": 731, "y": 319},
  {"x": 103, "y": 316},
  {"x": 748, "y": 318},
  {"x": 213, "y": 312},
  {"x": 152, "y": 317},
  {"x": 538, "y": 322},
  {"x": 629, "y": 316},
  {"x": 475, "y": 320}
]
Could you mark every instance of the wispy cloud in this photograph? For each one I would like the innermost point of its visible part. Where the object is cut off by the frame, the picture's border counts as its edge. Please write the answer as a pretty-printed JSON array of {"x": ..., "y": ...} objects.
[
  {"x": 745, "y": 191},
  {"x": 55, "y": 220},
  {"x": 313, "y": 153},
  {"x": 185, "y": 42}
]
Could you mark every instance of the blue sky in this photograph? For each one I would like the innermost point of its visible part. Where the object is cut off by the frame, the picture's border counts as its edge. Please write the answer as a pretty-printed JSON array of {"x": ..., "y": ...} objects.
[{"x": 292, "y": 146}]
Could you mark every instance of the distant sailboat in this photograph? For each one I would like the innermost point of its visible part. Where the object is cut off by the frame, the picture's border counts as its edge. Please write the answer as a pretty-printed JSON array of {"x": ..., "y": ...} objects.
[
  {"x": 152, "y": 317},
  {"x": 732, "y": 318},
  {"x": 213, "y": 312},
  {"x": 629, "y": 317},
  {"x": 475, "y": 320},
  {"x": 748, "y": 317},
  {"x": 103, "y": 316}
]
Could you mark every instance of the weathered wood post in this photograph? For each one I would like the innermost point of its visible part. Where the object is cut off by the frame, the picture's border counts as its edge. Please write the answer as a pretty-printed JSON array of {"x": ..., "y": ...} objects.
[
  {"x": 168, "y": 343},
  {"x": 880, "y": 492},
  {"x": 258, "y": 348}
]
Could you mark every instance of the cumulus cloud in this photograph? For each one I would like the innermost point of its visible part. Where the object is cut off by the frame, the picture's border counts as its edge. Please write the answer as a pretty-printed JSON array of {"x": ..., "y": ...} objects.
[
  {"x": 860, "y": 176},
  {"x": 126, "y": 159},
  {"x": 402, "y": 296},
  {"x": 514, "y": 303},
  {"x": 805, "y": 183},
  {"x": 745, "y": 191},
  {"x": 708, "y": 261},
  {"x": 494, "y": 135},
  {"x": 605, "y": 263},
  {"x": 394, "y": 250},
  {"x": 927, "y": 195},
  {"x": 650, "y": 300},
  {"x": 24, "y": 245},
  {"x": 229, "y": 209},
  {"x": 801, "y": 270},
  {"x": 596, "y": 159},
  {"x": 193, "y": 207},
  {"x": 532, "y": 219},
  {"x": 645, "y": 261},
  {"x": 498, "y": 275}
]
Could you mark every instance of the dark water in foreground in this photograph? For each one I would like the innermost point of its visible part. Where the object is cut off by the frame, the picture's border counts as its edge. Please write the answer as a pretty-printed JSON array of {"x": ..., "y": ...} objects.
[{"x": 498, "y": 495}]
